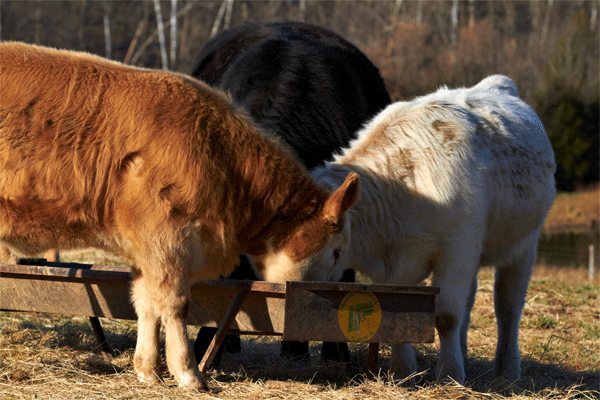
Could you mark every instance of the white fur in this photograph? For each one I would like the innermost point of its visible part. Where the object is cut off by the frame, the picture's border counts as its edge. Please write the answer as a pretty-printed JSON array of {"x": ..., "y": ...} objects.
[{"x": 451, "y": 181}]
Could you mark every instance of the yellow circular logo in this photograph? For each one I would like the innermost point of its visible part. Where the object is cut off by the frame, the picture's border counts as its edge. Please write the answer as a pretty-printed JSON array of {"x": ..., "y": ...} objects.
[{"x": 359, "y": 316}]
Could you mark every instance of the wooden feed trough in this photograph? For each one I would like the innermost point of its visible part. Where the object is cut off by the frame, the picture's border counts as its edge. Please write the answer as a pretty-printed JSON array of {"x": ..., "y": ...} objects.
[{"x": 303, "y": 311}]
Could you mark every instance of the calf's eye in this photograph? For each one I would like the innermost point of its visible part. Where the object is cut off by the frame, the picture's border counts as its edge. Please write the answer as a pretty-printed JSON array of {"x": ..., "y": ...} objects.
[{"x": 336, "y": 255}]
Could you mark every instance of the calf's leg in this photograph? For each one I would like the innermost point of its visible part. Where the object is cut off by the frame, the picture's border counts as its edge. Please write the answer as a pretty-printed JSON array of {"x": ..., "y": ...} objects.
[
  {"x": 164, "y": 296},
  {"x": 7, "y": 256},
  {"x": 52, "y": 255},
  {"x": 510, "y": 289},
  {"x": 455, "y": 273},
  {"x": 146, "y": 361},
  {"x": 467, "y": 319},
  {"x": 403, "y": 361},
  {"x": 180, "y": 358}
]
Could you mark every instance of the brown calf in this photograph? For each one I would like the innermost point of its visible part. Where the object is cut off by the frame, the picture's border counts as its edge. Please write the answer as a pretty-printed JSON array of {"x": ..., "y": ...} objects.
[{"x": 161, "y": 169}]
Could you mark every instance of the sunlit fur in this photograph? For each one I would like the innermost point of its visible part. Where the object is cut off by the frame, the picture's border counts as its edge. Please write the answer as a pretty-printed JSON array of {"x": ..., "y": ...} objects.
[
  {"x": 309, "y": 253},
  {"x": 153, "y": 166},
  {"x": 451, "y": 181}
]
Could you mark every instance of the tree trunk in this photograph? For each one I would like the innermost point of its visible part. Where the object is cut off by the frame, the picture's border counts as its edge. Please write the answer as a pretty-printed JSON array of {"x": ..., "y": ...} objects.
[
  {"x": 594, "y": 16},
  {"x": 546, "y": 22},
  {"x": 228, "y": 11},
  {"x": 81, "y": 33},
  {"x": 419, "y": 11},
  {"x": 138, "y": 53},
  {"x": 454, "y": 25},
  {"x": 302, "y": 10},
  {"x": 220, "y": 13},
  {"x": 161, "y": 35},
  {"x": 472, "y": 7},
  {"x": 173, "y": 29},
  {"x": 107, "y": 28},
  {"x": 136, "y": 37},
  {"x": 37, "y": 16},
  {"x": 397, "y": 6}
]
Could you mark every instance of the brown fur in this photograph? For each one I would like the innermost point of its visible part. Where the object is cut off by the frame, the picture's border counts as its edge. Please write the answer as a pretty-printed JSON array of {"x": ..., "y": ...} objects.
[{"x": 150, "y": 165}]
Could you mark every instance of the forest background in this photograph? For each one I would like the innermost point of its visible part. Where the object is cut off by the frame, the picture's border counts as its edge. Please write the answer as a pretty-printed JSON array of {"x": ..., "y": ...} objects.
[{"x": 550, "y": 48}]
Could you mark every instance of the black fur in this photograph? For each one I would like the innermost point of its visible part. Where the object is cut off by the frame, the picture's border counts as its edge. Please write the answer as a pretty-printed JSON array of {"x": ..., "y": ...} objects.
[{"x": 301, "y": 82}]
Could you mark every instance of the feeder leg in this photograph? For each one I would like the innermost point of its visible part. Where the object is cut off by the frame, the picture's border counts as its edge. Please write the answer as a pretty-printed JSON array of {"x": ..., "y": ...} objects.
[
  {"x": 222, "y": 330},
  {"x": 373, "y": 356},
  {"x": 106, "y": 350}
]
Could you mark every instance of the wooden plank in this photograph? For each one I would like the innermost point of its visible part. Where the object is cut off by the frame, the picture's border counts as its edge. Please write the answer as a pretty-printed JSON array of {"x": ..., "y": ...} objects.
[
  {"x": 79, "y": 272},
  {"x": 89, "y": 298},
  {"x": 107, "y": 351},
  {"x": 405, "y": 314},
  {"x": 260, "y": 311},
  {"x": 103, "y": 291}
]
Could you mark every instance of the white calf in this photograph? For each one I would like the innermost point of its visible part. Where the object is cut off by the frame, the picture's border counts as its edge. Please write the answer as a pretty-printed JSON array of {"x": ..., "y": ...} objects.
[{"x": 451, "y": 181}]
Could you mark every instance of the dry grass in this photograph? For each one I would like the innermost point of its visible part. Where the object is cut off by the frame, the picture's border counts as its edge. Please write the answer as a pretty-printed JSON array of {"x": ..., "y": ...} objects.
[
  {"x": 580, "y": 208},
  {"x": 51, "y": 356},
  {"x": 56, "y": 357}
]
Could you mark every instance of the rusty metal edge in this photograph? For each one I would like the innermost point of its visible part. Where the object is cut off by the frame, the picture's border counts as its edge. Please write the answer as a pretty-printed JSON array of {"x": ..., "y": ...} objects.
[
  {"x": 75, "y": 271},
  {"x": 363, "y": 287},
  {"x": 79, "y": 272},
  {"x": 87, "y": 273}
]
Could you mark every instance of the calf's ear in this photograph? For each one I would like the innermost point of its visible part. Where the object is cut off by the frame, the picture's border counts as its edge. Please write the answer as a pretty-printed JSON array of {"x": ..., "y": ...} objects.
[{"x": 342, "y": 199}]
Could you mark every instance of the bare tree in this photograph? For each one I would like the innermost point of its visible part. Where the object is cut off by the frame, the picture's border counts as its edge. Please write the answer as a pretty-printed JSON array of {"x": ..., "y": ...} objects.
[
  {"x": 397, "y": 6},
  {"x": 546, "y": 21},
  {"x": 594, "y": 16},
  {"x": 161, "y": 35},
  {"x": 220, "y": 13},
  {"x": 150, "y": 39},
  {"x": 173, "y": 29},
  {"x": 454, "y": 24},
  {"x": 142, "y": 23},
  {"x": 420, "y": 11},
  {"x": 37, "y": 16},
  {"x": 81, "y": 34},
  {"x": 107, "y": 28},
  {"x": 302, "y": 10},
  {"x": 228, "y": 11},
  {"x": 472, "y": 6}
]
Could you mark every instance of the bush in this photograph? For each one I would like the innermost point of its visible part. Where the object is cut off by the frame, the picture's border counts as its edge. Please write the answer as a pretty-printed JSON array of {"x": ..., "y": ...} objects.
[{"x": 568, "y": 105}]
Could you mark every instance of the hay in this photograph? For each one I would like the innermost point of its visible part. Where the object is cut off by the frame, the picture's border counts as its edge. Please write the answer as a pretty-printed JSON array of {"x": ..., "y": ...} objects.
[{"x": 56, "y": 357}]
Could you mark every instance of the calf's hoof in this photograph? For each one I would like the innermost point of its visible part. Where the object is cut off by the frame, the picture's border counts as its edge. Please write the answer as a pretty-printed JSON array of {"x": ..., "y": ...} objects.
[
  {"x": 295, "y": 350},
  {"x": 447, "y": 374},
  {"x": 403, "y": 364},
  {"x": 507, "y": 368},
  {"x": 232, "y": 344},
  {"x": 189, "y": 381},
  {"x": 334, "y": 351},
  {"x": 404, "y": 379},
  {"x": 147, "y": 371},
  {"x": 148, "y": 378}
]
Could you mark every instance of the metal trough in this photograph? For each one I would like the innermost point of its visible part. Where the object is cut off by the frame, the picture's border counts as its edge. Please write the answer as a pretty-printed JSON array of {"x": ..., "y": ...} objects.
[{"x": 305, "y": 311}]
